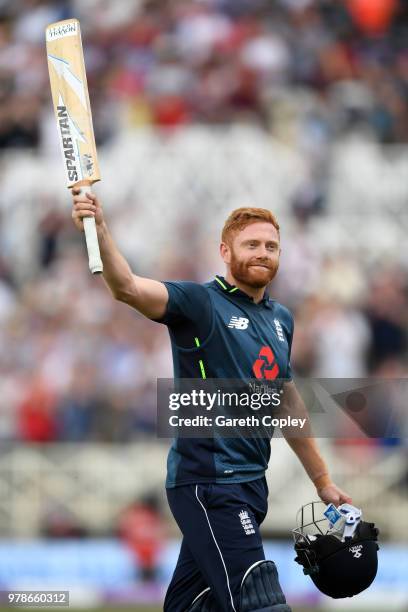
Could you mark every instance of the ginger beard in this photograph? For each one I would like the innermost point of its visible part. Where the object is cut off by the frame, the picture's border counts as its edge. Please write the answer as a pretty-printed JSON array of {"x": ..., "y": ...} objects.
[{"x": 255, "y": 277}]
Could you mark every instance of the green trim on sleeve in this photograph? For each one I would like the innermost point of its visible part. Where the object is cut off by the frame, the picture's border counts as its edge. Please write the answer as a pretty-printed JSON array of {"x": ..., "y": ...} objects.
[
  {"x": 202, "y": 369},
  {"x": 200, "y": 362}
]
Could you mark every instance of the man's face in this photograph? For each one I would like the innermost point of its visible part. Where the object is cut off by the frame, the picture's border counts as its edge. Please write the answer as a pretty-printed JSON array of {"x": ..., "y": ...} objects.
[{"x": 253, "y": 255}]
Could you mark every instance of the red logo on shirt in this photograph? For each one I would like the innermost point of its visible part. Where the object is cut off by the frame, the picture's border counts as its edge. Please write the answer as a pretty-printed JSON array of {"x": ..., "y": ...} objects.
[{"x": 265, "y": 366}]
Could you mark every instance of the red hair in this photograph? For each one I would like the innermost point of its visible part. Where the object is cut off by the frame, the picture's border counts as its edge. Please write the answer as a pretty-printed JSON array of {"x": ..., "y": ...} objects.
[{"x": 241, "y": 217}]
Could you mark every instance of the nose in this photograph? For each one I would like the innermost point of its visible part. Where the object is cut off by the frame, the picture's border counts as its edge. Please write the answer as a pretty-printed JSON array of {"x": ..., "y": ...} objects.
[{"x": 262, "y": 252}]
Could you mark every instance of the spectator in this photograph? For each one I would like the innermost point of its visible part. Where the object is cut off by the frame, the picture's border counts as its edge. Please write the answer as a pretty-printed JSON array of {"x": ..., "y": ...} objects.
[
  {"x": 37, "y": 418},
  {"x": 312, "y": 74},
  {"x": 142, "y": 529}
]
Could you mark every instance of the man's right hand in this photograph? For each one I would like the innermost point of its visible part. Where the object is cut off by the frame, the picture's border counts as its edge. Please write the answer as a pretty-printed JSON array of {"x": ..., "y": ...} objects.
[{"x": 85, "y": 205}]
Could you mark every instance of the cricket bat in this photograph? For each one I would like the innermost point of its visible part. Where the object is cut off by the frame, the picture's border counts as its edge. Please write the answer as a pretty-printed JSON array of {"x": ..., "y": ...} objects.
[{"x": 72, "y": 108}]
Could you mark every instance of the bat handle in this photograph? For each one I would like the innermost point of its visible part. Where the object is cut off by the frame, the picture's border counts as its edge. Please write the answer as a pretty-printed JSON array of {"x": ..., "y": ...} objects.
[{"x": 94, "y": 256}]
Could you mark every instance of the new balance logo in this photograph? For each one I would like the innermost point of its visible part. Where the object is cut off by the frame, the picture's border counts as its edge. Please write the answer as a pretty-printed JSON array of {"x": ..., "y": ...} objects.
[
  {"x": 246, "y": 522},
  {"x": 238, "y": 322},
  {"x": 356, "y": 550},
  {"x": 279, "y": 330}
]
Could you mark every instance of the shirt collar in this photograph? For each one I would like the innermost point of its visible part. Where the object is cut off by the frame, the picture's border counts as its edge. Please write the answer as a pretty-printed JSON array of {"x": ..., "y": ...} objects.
[{"x": 226, "y": 287}]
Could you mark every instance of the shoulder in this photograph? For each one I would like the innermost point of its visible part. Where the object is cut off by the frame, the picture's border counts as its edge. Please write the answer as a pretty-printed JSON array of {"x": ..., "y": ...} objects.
[
  {"x": 188, "y": 293},
  {"x": 184, "y": 286},
  {"x": 186, "y": 300}
]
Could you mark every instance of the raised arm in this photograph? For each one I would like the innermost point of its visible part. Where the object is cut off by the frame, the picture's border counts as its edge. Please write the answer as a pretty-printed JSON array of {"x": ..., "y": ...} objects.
[
  {"x": 146, "y": 295},
  {"x": 306, "y": 449}
]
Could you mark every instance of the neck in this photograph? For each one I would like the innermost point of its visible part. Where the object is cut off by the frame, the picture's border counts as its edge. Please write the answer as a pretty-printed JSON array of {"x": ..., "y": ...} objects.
[{"x": 255, "y": 292}]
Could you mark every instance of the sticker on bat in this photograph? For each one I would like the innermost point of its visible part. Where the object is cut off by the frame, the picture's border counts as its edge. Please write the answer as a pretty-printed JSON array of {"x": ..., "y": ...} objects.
[
  {"x": 88, "y": 164},
  {"x": 62, "y": 30}
]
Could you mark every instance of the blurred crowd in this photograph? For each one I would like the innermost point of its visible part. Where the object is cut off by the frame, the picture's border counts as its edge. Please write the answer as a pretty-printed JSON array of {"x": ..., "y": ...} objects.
[
  {"x": 337, "y": 65},
  {"x": 74, "y": 364},
  {"x": 77, "y": 365}
]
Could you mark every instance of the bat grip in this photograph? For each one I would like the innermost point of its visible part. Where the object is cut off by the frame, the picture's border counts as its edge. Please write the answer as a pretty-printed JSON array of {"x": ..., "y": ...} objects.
[{"x": 91, "y": 237}]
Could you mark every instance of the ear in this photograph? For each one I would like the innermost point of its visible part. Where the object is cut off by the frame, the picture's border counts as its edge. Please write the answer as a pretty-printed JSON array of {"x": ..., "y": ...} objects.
[{"x": 225, "y": 252}]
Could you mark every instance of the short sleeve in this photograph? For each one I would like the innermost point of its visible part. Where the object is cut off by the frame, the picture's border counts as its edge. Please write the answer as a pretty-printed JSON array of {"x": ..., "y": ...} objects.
[{"x": 188, "y": 302}]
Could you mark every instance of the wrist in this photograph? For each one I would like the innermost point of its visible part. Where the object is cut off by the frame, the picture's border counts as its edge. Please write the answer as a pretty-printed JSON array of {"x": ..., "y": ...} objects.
[
  {"x": 322, "y": 481},
  {"x": 101, "y": 229}
]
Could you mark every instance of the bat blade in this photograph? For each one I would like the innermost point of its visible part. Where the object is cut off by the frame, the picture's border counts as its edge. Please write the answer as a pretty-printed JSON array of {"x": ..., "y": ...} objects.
[
  {"x": 72, "y": 109},
  {"x": 70, "y": 97}
]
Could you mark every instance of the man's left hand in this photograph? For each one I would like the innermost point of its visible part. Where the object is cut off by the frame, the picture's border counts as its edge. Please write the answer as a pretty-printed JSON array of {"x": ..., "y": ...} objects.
[{"x": 332, "y": 494}]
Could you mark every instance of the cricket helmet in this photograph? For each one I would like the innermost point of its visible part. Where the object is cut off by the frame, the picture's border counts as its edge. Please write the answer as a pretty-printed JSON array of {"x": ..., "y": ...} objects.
[{"x": 336, "y": 548}]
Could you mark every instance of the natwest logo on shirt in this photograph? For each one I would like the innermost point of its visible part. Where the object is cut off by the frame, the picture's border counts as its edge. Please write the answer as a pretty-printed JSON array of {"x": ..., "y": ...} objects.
[
  {"x": 238, "y": 322},
  {"x": 265, "y": 366}
]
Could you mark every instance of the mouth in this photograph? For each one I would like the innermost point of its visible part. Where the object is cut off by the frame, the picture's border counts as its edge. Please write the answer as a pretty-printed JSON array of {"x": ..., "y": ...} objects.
[{"x": 260, "y": 266}]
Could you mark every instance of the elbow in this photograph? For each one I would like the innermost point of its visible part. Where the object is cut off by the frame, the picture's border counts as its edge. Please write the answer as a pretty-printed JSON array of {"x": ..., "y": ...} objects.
[
  {"x": 121, "y": 296},
  {"x": 127, "y": 295},
  {"x": 115, "y": 292},
  {"x": 118, "y": 296},
  {"x": 124, "y": 291}
]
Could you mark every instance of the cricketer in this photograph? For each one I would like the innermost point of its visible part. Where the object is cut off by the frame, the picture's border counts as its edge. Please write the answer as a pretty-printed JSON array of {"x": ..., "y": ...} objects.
[{"x": 216, "y": 488}]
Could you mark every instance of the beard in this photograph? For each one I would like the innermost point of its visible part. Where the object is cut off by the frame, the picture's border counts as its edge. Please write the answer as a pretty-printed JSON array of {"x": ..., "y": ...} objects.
[{"x": 255, "y": 277}]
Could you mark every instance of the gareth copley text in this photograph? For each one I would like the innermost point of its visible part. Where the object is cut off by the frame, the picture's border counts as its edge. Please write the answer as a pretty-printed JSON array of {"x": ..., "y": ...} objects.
[{"x": 236, "y": 422}]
